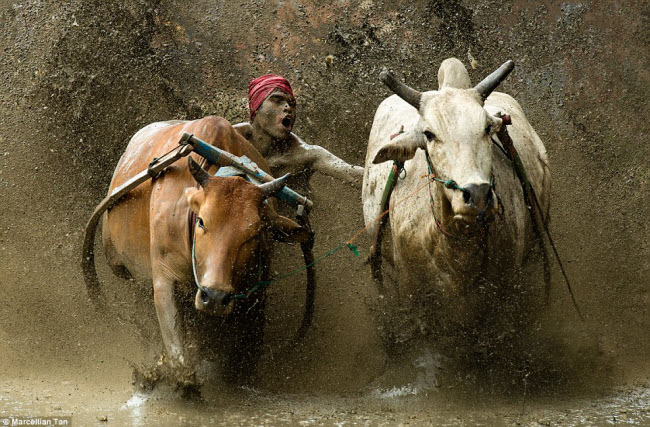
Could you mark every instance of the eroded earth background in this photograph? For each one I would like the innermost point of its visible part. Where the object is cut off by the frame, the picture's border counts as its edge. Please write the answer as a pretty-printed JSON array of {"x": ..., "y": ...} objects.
[{"x": 80, "y": 77}]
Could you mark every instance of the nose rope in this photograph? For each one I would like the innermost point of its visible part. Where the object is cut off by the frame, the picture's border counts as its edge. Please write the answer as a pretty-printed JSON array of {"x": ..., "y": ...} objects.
[
  {"x": 196, "y": 279},
  {"x": 448, "y": 183},
  {"x": 259, "y": 284}
]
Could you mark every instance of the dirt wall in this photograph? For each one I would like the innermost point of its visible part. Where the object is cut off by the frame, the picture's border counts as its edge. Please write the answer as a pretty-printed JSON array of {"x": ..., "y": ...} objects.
[{"x": 79, "y": 78}]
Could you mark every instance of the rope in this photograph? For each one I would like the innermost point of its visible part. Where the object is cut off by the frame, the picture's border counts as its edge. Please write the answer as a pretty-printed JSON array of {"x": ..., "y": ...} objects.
[
  {"x": 433, "y": 212},
  {"x": 264, "y": 283},
  {"x": 450, "y": 183},
  {"x": 348, "y": 243},
  {"x": 557, "y": 256}
]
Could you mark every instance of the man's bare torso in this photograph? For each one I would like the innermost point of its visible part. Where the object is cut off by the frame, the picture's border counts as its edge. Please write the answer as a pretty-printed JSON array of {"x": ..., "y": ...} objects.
[{"x": 301, "y": 160}]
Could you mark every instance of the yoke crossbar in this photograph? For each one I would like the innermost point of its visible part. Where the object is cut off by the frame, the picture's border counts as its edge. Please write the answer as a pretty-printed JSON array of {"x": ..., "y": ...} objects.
[{"x": 220, "y": 157}]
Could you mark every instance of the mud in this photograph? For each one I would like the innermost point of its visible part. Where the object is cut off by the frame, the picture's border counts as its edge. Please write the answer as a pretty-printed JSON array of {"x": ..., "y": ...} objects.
[{"x": 79, "y": 78}]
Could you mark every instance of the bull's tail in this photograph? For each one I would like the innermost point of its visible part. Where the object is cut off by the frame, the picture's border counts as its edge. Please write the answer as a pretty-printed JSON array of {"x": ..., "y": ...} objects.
[
  {"x": 88, "y": 254},
  {"x": 88, "y": 258}
]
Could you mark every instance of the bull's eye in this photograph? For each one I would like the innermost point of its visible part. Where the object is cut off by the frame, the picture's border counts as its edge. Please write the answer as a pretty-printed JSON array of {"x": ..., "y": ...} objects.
[
  {"x": 201, "y": 224},
  {"x": 430, "y": 136},
  {"x": 488, "y": 129}
]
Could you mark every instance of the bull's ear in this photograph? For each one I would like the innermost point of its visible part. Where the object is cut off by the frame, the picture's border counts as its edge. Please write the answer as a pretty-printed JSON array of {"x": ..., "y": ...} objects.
[
  {"x": 495, "y": 124},
  {"x": 284, "y": 229},
  {"x": 401, "y": 148},
  {"x": 194, "y": 197}
]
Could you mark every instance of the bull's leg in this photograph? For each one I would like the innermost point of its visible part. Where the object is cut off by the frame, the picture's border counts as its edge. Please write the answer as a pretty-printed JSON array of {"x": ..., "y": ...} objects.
[{"x": 163, "y": 292}]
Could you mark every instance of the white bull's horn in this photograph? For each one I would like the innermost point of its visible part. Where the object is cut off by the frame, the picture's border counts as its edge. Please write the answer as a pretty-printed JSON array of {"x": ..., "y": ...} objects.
[
  {"x": 408, "y": 94},
  {"x": 199, "y": 174},
  {"x": 491, "y": 82},
  {"x": 270, "y": 188}
]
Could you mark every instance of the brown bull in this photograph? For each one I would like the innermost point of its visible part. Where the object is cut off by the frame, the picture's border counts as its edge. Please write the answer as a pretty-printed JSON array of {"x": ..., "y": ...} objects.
[{"x": 148, "y": 236}]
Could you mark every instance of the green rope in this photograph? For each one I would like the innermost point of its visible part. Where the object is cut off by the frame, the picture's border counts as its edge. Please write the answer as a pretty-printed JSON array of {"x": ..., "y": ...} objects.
[
  {"x": 449, "y": 183},
  {"x": 264, "y": 283},
  {"x": 395, "y": 171}
]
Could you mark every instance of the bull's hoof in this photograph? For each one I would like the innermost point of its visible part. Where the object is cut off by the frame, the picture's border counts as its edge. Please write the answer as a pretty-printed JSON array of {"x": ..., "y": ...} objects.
[{"x": 171, "y": 380}]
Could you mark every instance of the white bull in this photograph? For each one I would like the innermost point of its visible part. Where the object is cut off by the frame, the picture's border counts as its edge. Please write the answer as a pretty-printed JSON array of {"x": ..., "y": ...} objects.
[{"x": 442, "y": 249}]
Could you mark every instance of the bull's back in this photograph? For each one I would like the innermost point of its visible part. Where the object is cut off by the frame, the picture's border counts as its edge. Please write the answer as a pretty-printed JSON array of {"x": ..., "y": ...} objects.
[
  {"x": 528, "y": 144},
  {"x": 127, "y": 227}
]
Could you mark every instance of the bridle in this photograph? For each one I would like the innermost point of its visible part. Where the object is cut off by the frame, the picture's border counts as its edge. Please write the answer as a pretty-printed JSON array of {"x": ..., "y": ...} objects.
[
  {"x": 193, "y": 223},
  {"x": 453, "y": 185}
]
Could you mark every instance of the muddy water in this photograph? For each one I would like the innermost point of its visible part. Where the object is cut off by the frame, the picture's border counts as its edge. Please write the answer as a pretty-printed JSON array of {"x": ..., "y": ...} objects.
[
  {"x": 423, "y": 401},
  {"x": 80, "y": 77}
]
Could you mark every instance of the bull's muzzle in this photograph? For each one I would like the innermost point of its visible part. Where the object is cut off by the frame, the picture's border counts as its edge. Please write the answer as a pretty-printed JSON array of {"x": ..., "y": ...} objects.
[
  {"x": 213, "y": 300},
  {"x": 474, "y": 205},
  {"x": 479, "y": 196}
]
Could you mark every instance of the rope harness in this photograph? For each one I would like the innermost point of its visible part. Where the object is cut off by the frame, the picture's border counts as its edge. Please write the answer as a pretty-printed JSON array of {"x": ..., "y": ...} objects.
[
  {"x": 534, "y": 209},
  {"x": 213, "y": 155},
  {"x": 506, "y": 146}
]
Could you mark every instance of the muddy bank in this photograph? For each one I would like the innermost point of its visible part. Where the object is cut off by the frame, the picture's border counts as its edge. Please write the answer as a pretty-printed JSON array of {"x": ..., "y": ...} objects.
[{"x": 79, "y": 78}]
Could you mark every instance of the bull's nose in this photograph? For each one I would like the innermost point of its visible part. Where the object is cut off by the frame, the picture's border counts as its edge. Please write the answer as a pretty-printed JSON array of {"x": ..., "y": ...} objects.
[
  {"x": 216, "y": 296},
  {"x": 477, "y": 195},
  {"x": 207, "y": 299}
]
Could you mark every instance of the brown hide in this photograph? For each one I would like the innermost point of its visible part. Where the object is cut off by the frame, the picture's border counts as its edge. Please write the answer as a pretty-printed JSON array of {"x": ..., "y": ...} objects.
[
  {"x": 230, "y": 232},
  {"x": 151, "y": 226},
  {"x": 148, "y": 233}
]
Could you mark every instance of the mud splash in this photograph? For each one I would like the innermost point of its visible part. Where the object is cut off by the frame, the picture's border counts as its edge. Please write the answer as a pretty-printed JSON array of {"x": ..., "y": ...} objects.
[
  {"x": 252, "y": 406},
  {"x": 80, "y": 77}
]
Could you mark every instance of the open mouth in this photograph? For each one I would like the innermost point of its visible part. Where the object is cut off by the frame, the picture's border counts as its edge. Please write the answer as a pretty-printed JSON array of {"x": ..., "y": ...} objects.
[{"x": 287, "y": 123}]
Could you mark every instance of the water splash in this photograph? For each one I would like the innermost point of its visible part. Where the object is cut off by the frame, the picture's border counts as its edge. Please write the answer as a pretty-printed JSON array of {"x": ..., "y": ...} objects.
[{"x": 427, "y": 366}]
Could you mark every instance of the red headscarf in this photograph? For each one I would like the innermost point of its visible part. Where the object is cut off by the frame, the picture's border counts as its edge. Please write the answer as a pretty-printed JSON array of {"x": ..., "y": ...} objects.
[{"x": 260, "y": 88}]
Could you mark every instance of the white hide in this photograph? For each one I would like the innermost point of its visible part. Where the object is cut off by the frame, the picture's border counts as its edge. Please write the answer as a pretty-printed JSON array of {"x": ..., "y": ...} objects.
[{"x": 426, "y": 259}]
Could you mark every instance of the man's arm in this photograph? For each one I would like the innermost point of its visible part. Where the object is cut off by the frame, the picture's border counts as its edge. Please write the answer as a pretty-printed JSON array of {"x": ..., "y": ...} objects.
[{"x": 321, "y": 160}]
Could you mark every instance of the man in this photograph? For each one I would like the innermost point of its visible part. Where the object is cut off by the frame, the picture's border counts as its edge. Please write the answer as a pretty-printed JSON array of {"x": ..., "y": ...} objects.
[{"x": 273, "y": 114}]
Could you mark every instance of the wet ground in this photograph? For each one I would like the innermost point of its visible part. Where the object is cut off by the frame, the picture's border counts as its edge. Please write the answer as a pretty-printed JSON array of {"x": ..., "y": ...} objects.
[
  {"x": 421, "y": 387},
  {"x": 89, "y": 403},
  {"x": 80, "y": 77}
]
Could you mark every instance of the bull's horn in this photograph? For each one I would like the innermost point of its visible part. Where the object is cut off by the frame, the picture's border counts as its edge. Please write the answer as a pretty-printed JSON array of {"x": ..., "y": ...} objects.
[
  {"x": 408, "y": 94},
  {"x": 270, "y": 188},
  {"x": 491, "y": 82},
  {"x": 199, "y": 174}
]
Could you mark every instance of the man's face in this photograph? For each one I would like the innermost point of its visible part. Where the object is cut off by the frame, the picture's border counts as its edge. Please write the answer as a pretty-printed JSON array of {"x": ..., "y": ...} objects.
[{"x": 277, "y": 114}]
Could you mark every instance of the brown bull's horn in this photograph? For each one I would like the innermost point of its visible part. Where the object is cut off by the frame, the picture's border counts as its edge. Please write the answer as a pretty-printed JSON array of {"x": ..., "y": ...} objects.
[
  {"x": 199, "y": 174},
  {"x": 491, "y": 82},
  {"x": 408, "y": 94},
  {"x": 270, "y": 188}
]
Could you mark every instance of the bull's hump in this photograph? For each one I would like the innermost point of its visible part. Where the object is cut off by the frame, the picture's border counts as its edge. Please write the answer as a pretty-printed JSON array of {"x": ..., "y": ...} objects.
[{"x": 155, "y": 127}]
